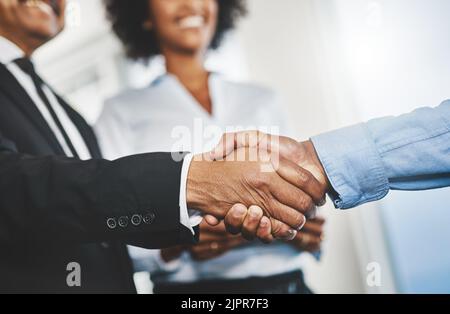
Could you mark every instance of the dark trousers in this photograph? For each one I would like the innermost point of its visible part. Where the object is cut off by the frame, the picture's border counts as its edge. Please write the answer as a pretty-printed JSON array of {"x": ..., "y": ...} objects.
[{"x": 289, "y": 283}]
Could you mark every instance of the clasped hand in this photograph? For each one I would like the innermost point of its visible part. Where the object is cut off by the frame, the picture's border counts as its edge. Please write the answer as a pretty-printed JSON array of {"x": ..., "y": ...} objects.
[
  {"x": 216, "y": 241},
  {"x": 270, "y": 197}
]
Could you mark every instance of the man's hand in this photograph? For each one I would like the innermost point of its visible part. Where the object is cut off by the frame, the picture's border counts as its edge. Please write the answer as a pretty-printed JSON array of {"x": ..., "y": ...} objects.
[
  {"x": 170, "y": 254},
  {"x": 311, "y": 237},
  {"x": 239, "y": 221},
  {"x": 301, "y": 153},
  {"x": 215, "y": 187},
  {"x": 214, "y": 242}
]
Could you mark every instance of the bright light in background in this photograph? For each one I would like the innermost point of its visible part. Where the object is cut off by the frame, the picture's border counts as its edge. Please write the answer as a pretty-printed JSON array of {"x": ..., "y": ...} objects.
[
  {"x": 397, "y": 54},
  {"x": 368, "y": 43}
]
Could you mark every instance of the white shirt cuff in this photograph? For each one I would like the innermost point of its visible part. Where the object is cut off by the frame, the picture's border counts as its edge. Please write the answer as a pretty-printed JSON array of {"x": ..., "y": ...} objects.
[{"x": 188, "y": 218}]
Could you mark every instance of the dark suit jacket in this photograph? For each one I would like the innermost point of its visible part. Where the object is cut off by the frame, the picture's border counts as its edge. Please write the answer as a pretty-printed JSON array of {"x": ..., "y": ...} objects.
[{"x": 56, "y": 210}]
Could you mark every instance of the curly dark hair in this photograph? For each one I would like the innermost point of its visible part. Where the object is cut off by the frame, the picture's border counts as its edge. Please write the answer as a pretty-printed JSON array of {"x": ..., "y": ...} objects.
[{"x": 127, "y": 18}]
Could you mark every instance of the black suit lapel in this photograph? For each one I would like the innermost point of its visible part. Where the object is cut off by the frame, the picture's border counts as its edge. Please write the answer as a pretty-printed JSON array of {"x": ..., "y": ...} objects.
[{"x": 10, "y": 85}]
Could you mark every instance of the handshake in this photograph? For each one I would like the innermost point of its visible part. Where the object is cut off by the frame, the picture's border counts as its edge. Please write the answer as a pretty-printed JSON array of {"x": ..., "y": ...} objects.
[{"x": 260, "y": 185}]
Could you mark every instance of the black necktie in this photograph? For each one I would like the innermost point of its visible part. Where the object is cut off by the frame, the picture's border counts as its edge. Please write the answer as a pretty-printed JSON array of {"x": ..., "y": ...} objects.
[{"x": 27, "y": 66}]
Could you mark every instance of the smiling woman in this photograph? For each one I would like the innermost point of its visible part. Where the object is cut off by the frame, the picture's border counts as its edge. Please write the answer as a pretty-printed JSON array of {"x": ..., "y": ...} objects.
[{"x": 134, "y": 22}]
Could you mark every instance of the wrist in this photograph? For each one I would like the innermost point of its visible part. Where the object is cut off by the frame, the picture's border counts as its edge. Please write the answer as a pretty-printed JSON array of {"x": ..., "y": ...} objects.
[
  {"x": 315, "y": 165},
  {"x": 194, "y": 193},
  {"x": 201, "y": 186}
]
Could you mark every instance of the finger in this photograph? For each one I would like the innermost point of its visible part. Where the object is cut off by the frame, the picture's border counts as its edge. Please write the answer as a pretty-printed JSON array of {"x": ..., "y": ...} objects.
[
  {"x": 292, "y": 216},
  {"x": 212, "y": 237},
  {"x": 309, "y": 239},
  {"x": 292, "y": 196},
  {"x": 171, "y": 254},
  {"x": 308, "y": 242},
  {"x": 264, "y": 232},
  {"x": 319, "y": 221},
  {"x": 233, "y": 243},
  {"x": 301, "y": 178},
  {"x": 219, "y": 230},
  {"x": 205, "y": 248},
  {"x": 208, "y": 246},
  {"x": 232, "y": 141},
  {"x": 312, "y": 214},
  {"x": 251, "y": 223},
  {"x": 225, "y": 146},
  {"x": 211, "y": 220},
  {"x": 203, "y": 255},
  {"x": 313, "y": 229},
  {"x": 282, "y": 231},
  {"x": 8, "y": 3},
  {"x": 235, "y": 219},
  {"x": 210, "y": 250}
]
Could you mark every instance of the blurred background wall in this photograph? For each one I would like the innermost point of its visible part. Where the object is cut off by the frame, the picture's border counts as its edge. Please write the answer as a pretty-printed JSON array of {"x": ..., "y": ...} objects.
[{"x": 335, "y": 62}]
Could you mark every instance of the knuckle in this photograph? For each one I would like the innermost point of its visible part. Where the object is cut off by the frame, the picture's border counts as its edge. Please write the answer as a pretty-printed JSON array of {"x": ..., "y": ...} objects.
[
  {"x": 270, "y": 208},
  {"x": 303, "y": 178},
  {"x": 260, "y": 181},
  {"x": 301, "y": 203},
  {"x": 305, "y": 203},
  {"x": 283, "y": 232}
]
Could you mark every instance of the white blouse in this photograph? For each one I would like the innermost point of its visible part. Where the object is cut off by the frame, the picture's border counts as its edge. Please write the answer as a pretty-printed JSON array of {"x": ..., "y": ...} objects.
[{"x": 166, "y": 117}]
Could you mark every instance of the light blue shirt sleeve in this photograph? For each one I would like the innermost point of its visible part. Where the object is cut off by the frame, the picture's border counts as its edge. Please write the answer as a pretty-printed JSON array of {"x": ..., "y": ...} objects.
[{"x": 410, "y": 152}]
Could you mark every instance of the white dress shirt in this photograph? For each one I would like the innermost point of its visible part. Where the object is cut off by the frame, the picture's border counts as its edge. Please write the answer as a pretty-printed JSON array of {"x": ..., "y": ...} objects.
[
  {"x": 165, "y": 117},
  {"x": 9, "y": 52}
]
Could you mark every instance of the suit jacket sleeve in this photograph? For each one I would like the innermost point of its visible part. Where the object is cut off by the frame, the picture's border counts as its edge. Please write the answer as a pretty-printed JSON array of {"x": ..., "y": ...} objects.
[{"x": 134, "y": 200}]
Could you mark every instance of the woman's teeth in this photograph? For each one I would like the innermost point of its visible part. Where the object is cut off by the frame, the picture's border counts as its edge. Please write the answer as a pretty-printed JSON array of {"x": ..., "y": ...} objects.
[
  {"x": 192, "y": 22},
  {"x": 41, "y": 5}
]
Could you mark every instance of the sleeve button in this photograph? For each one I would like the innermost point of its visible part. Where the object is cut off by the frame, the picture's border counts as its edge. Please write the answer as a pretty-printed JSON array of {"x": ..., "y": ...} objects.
[
  {"x": 124, "y": 221},
  {"x": 149, "y": 218},
  {"x": 136, "y": 220},
  {"x": 111, "y": 223}
]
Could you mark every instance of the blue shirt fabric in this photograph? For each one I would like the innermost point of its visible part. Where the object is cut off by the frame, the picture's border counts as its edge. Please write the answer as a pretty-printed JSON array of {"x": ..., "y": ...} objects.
[{"x": 410, "y": 152}]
